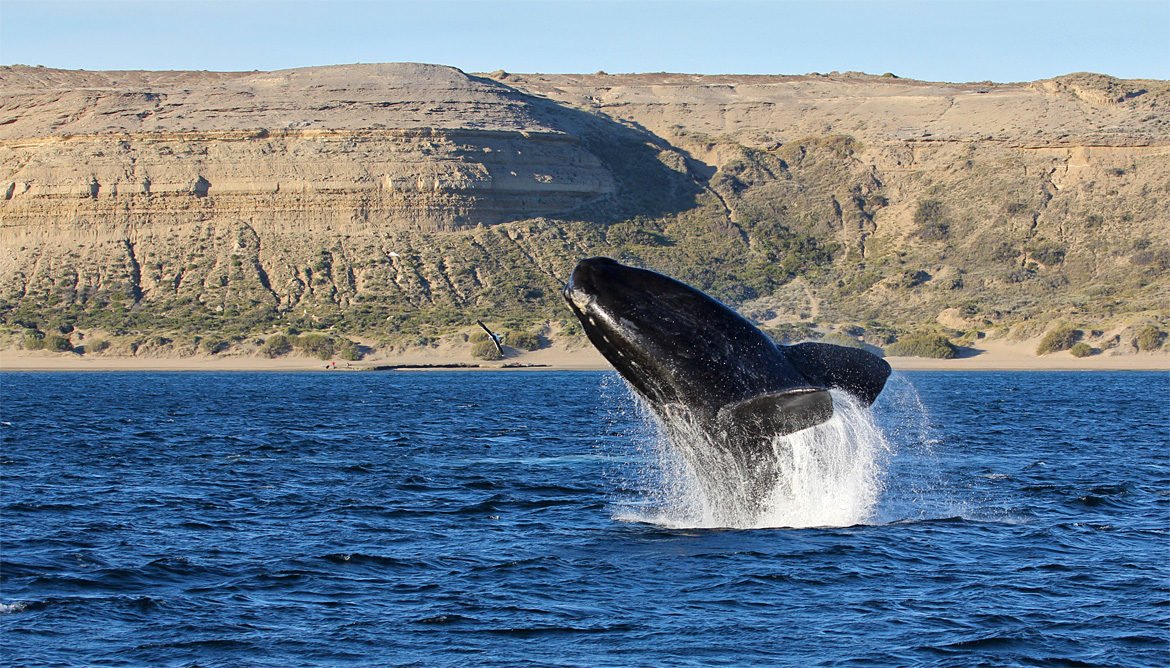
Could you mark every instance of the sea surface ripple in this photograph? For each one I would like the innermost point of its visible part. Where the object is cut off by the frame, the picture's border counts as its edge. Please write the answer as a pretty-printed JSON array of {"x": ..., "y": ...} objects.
[{"x": 490, "y": 519}]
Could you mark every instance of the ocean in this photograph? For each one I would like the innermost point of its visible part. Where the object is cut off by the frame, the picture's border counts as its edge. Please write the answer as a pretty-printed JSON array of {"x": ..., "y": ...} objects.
[{"x": 538, "y": 519}]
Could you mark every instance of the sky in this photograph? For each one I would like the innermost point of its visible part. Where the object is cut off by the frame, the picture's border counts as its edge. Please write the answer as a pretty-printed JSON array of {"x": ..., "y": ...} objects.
[{"x": 937, "y": 40}]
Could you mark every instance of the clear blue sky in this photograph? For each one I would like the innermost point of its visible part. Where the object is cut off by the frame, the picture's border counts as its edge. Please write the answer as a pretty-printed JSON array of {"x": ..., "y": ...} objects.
[{"x": 943, "y": 40}]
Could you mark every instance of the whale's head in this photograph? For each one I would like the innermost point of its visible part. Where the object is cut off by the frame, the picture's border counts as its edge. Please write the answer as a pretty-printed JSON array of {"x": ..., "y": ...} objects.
[{"x": 673, "y": 343}]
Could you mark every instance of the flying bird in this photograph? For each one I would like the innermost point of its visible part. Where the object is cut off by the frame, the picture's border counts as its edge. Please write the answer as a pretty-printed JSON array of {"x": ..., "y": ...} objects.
[{"x": 492, "y": 335}]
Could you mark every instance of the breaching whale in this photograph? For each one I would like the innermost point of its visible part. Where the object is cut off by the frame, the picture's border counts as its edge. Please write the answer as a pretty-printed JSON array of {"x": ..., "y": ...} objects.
[{"x": 689, "y": 355}]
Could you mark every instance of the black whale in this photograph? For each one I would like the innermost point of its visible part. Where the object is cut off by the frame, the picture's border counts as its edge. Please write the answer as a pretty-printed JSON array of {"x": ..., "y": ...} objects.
[{"x": 686, "y": 353}]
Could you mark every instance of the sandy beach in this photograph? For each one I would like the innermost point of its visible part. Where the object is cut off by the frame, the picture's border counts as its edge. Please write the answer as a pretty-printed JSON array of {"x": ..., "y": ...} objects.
[{"x": 991, "y": 356}]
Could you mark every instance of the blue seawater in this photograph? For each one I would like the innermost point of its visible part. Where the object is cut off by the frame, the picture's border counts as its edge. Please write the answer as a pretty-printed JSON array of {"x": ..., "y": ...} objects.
[{"x": 505, "y": 519}]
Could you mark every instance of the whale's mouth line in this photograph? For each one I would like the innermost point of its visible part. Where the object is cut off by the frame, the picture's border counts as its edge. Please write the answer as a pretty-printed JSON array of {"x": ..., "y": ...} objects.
[{"x": 600, "y": 326}]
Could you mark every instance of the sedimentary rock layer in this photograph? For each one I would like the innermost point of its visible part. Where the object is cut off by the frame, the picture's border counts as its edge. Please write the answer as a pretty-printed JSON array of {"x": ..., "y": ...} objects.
[{"x": 393, "y": 189}]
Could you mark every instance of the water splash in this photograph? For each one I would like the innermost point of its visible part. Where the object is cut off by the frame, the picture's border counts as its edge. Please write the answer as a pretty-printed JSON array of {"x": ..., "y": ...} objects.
[
  {"x": 829, "y": 475},
  {"x": 915, "y": 486},
  {"x": 832, "y": 474}
]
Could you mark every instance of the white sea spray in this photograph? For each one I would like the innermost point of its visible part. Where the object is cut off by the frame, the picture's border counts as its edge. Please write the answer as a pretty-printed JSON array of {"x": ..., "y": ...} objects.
[{"x": 831, "y": 474}]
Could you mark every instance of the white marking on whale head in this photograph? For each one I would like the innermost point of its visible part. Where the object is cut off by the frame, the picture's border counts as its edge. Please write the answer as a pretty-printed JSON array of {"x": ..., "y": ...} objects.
[{"x": 580, "y": 299}]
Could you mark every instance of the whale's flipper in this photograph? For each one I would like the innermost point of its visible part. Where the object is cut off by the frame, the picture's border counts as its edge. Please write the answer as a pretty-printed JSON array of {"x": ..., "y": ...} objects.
[
  {"x": 778, "y": 412},
  {"x": 858, "y": 372}
]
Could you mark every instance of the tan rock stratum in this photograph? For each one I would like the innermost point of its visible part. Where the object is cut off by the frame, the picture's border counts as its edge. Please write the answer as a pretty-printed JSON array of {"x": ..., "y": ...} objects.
[{"x": 408, "y": 199}]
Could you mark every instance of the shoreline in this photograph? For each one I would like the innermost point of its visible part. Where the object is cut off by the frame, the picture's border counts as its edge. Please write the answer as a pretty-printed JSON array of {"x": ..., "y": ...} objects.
[{"x": 1000, "y": 357}]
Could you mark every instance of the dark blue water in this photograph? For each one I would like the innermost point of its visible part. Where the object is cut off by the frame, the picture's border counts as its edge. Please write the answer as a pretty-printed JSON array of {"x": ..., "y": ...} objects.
[{"x": 473, "y": 519}]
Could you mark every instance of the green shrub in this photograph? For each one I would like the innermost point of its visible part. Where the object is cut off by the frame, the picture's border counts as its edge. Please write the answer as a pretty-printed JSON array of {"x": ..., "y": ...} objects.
[
  {"x": 317, "y": 345},
  {"x": 879, "y": 334},
  {"x": 1046, "y": 252},
  {"x": 934, "y": 231},
  {"x": 478, "y": 336},
  {"x": 931, "y": 220},
  {"x": 97, "y": 346},
  {"x": 486, "y": 350},
  {"x": 1149, "y": 338},
  {"x": 524, "y": 340},
  {"x": 348, "y": 350},
  {"x": 791, "y": 332},
  {"x": 1061, "y": 338},
  {"x": 1082, "y": 349},
  {"x": 277, "y": 345},
  {"x": 841, "y": 339},
  {"x": 57, "y": 343},
  {"x": 34, "y": 341},
  {"x": 909, "y": 279},
  {"x": 214, "y": 346},
  {"x": 923, "y": 344}
]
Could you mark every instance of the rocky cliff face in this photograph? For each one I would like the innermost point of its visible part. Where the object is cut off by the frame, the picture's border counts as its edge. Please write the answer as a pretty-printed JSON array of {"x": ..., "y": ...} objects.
[{"x": 383, "y": 199}]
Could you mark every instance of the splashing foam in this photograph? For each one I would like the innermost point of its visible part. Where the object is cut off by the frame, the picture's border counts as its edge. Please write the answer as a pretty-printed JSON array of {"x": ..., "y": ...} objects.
[{"x": 828, "y": 475}]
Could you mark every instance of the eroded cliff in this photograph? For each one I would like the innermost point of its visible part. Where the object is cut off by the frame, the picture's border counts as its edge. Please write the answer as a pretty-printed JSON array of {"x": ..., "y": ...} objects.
[{"x": 384, "y": 200}]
